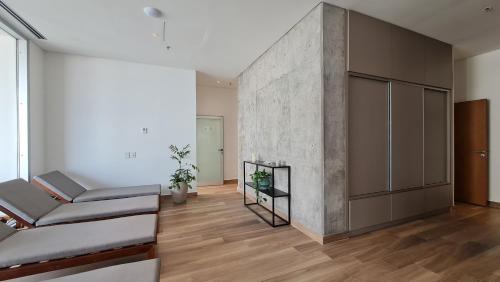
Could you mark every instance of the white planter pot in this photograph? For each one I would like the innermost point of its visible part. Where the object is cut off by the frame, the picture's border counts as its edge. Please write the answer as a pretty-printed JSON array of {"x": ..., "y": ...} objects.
[{"x": 179, "y": 195}]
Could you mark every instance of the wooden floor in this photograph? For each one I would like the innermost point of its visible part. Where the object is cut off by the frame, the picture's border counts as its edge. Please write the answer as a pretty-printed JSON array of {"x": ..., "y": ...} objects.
[{"x": 214, "y": 238}]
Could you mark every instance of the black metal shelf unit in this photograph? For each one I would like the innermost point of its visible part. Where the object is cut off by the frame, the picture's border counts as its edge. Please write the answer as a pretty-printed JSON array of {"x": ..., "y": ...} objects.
[{"x": 272, "y": 192}]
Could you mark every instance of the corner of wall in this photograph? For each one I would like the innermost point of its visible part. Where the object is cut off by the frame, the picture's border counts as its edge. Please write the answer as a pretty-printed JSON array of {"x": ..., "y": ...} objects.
[
  {"x": 280, "y": 118},
  {"x": 335, "y": 128}
]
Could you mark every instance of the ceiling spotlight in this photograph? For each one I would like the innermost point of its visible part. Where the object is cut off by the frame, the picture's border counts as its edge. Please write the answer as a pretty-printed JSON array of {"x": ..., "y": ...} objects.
[
  {"x": 218, "y": 81},
  {"x": 488, "y": 9},
  {"x": 152, "y": 12},
  {"x": 155, "y": 34}
]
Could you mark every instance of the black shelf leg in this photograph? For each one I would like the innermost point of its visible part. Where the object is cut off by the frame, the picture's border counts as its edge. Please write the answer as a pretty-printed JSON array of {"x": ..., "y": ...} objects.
[
  {"x": 272, "y": 183},
  {"x": 244, "y": 186}
]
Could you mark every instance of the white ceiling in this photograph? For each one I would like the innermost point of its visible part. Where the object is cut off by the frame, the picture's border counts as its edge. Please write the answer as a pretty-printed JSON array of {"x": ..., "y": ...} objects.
[{"x": 220, "y": 38}]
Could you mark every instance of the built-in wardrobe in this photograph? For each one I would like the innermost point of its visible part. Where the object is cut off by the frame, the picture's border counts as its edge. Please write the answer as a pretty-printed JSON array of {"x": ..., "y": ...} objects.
[{"x": 399, "y": 115}]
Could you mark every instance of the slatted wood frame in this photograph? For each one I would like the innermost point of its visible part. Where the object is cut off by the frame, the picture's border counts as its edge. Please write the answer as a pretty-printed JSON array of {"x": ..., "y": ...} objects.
[
  {"x": 45, "y": 266},
  {"x": 51, "y": 193}
]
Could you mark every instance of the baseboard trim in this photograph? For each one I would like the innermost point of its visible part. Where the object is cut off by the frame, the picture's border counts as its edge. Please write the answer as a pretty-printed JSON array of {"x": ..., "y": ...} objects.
[
  {"x": 231, "y": 181},
  {"x": 495, "y": 205}
]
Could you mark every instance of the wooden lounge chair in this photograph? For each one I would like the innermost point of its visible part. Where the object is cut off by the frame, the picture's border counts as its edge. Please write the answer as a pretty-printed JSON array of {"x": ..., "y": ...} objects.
[
  {"x": 32, "y": 207},
  {"x": 144, "y": 271},
  {"x": 66, "y": 190},
  {"x": 30, "y": 251}
]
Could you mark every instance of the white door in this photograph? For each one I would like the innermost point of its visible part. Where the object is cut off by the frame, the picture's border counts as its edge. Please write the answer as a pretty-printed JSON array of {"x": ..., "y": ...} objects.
[{"x": 210, "y": 150}]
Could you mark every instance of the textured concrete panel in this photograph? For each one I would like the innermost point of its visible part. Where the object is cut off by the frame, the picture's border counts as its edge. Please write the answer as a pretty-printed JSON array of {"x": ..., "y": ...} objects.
[
  {"x": 280, "y": 116},
  {"x": 292, "y": 108},
  {"x": 334, "y": 63}
]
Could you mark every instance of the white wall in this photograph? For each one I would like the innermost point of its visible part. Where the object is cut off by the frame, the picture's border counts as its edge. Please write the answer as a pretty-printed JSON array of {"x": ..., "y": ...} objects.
[
  {"x": 478, "y": 78},
  {"x": 36, "y": 110},
  {"x": 95, "y": 109},
  {"x": 219, "y": 101},
  {"x": 8, "y": 108}
]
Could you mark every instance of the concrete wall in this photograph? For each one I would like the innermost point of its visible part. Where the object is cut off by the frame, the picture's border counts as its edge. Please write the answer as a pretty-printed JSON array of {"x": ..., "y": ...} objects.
[
  {"x": 282, "y": 116},
  {"x": 222, "y": 101},
  {"x": 95, "y": 110},
  {"x": 334, "y": 107},
  {"x": 477, "y": 78}
]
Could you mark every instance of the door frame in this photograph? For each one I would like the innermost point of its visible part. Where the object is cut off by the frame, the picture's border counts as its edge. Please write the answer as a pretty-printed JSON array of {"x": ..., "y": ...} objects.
[{"x": 221, "y": 118}]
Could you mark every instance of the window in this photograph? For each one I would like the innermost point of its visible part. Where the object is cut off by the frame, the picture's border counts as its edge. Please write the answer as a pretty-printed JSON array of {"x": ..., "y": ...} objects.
[{"x": 13, "y": 106}]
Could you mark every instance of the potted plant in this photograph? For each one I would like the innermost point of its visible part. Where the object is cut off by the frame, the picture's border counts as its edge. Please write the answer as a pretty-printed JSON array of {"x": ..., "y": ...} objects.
[
  {"x": 262, "y": 181},
  {"x": 181, "y": 179}
]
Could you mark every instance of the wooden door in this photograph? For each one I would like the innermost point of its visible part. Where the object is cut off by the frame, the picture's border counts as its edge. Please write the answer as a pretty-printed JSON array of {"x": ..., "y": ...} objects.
[{"x": 471, "y": 152}]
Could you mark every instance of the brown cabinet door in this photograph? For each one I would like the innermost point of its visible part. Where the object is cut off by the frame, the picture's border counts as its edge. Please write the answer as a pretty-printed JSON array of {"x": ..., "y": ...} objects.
[
  {"x": 407, "y": 55},
  {"x": 368, "y": 136},
  {"x": 438, "y": 197},
  {"x": 471, "y": 152},
  {"x": 438, "y": 63},
  {"x": 407, "y": 132},
  {"x": 435, "y": 137},
  {"x": 369, "y": 45},
  {"x": 408, "y": 204},
  {"x": 369, "y": 212}
]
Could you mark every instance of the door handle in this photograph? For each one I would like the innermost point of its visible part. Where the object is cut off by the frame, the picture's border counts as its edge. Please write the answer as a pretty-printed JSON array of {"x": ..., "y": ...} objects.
[
  {"x": 221, "y": 150},
  {"x": 482, "y": 153}
]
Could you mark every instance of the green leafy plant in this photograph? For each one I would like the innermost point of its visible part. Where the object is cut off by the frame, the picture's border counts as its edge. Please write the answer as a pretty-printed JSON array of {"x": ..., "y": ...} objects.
[
  {"x": 258, "y": 177},
  {"x": 185, "y": 172}
]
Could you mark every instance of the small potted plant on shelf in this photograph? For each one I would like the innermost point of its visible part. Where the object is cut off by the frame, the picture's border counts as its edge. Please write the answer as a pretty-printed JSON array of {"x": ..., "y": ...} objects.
[
  {"x": 262, "y": 181},
  {"x": 181, "y": 179}
]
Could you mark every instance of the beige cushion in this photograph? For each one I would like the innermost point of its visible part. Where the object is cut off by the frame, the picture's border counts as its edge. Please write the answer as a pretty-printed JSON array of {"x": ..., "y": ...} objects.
[
  {"x": 101, "y": 209},
  {"x": 71, "y": 191},
  {"x": 117, "y": 193},
  {"x": 61, "y": 185},
  {"x": 26, "y": 200},
  {"x": 144, "y": 271},
  {"x": 5, "y": 231},
  {"x": 61, "y": 241}
]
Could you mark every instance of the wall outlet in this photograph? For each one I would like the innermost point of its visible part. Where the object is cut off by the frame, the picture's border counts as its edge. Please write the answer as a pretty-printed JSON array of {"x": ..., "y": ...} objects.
[
  {"x": 127, "y": 155},
  {"x": 144, "y": 130},
  {"x": 133, "y": 155}
]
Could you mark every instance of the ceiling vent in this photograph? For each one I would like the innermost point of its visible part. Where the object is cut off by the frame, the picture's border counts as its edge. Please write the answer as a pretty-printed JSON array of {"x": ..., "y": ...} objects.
[{"x": 22, "y": 21}]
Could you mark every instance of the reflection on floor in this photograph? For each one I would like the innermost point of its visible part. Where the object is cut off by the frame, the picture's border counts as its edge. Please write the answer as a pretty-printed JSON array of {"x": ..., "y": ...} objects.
[{"x": 213, "y": 237}]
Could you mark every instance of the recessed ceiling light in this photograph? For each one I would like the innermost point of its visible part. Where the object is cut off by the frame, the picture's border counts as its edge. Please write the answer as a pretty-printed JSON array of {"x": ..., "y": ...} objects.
[
  {"x": 155, "y": 34},
  {"x": 152, "y": 12},
  {"x": 218, "y": 81},
  {"x": 488, "y": 9}
]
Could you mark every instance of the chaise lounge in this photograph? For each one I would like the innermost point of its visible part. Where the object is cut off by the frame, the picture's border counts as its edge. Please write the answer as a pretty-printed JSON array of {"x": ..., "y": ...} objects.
[
  {"x": 32, "y": 207},
  {"x": 67, "y": 190},
  {"x": 144, "y": 271},
  {"x": 30, "y": 251}
]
